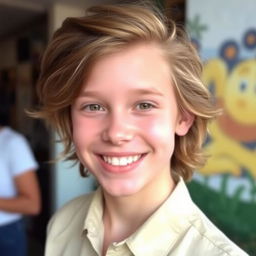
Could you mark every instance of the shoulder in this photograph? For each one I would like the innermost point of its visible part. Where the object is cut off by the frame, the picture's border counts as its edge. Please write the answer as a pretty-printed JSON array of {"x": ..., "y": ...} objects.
[
  {"x": 197, "y": 233},
  {"x": 70, "y": 216},
  {"x": 209, "y": 236},
  {"x": 18, "y": 153},
  {"x": 14, "y": 139},
  {"x": 18, "y": 139}
]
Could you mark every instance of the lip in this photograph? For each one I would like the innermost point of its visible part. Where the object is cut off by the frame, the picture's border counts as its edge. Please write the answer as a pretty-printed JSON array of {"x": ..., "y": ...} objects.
[
  {"x": 119, "y": 154},
  {"x": 120, "y": 169}
]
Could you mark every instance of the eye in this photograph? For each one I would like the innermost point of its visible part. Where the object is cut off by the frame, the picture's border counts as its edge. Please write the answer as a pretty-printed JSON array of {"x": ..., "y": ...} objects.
[
  {"x": 93, "y": 107},
  {"x": 243, "y": 86},
  {"x": 144, "y": 106}
]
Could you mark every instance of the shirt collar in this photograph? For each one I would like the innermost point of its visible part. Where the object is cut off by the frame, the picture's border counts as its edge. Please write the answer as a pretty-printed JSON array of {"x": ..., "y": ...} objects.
[
  {"x": 93, "y": 225},
  {"x": 158, "y": 234},
  {"x": 165, "y": 227}
]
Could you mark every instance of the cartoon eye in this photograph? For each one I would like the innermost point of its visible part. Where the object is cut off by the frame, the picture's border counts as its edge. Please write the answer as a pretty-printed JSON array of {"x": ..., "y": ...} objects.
[{"x": 243, "y": 86}]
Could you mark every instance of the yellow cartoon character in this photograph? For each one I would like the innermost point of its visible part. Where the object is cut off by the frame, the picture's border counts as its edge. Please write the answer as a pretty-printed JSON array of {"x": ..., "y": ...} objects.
[{"x": 233, "y": 135}]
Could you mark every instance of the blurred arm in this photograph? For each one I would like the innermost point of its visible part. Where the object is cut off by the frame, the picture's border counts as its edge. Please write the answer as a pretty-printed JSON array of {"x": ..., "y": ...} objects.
[{"x": 28, "y": 199}]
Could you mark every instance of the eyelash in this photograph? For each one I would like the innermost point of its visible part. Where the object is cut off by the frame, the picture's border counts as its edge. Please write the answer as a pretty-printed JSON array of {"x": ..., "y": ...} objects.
[
  {"x": 89, "y": 107},
  {"x": 141, "y": 106},
  {"x": 148, "y": 104}
]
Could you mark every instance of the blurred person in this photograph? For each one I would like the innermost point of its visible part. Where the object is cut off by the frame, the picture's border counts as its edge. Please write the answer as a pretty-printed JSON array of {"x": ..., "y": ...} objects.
[
  {"x": 122, "y": 88},
  {"x": 19, "y": 188}
]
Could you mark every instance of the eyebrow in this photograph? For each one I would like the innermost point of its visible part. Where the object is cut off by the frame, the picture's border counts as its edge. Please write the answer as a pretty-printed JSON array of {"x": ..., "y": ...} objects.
[{"x": 150, "y": 91}]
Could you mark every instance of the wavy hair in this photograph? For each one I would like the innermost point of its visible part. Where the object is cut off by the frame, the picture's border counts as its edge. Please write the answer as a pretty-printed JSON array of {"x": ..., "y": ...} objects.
[{"x": 80, "y": 42}]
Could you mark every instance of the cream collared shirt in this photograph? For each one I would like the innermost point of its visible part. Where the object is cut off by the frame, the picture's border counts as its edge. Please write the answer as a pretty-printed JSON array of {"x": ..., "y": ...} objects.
[{"x": 177, "y": 228}]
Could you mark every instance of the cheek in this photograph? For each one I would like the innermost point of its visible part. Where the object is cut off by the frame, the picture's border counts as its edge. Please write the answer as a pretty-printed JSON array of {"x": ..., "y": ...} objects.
[
  {"x": 82, "y": 130},
  {"x": 76, "y": 125},
  {"x": 160, "y": 129}
]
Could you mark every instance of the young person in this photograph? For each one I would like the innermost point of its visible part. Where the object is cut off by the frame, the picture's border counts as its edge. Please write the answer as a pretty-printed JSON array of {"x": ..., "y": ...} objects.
[
  {"x": 19, "y": 189},
  {"x": 122, "y": 88}
]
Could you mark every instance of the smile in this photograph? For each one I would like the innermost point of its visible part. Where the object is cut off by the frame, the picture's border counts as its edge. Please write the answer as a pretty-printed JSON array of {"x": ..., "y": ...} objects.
[{"x": 121, "y": 161}]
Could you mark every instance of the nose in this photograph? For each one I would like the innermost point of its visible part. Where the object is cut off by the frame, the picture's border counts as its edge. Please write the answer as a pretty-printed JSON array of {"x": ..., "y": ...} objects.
[{"x": 118, "y": 129}]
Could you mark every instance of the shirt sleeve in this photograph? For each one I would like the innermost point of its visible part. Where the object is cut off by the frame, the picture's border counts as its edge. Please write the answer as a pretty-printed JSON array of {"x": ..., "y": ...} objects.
[{"x": 21, "y": 156}]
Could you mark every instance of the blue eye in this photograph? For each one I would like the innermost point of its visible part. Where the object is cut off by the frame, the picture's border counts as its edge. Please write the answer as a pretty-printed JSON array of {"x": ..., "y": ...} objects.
[
  {"x": 243, "y": 86},
  {"x": 144, "y": 106},
  {"x": 93, "y": 107}
]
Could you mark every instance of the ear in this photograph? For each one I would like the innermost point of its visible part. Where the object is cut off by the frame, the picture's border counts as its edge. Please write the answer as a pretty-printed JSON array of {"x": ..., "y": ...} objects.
[{"x": 185, "y": 121}]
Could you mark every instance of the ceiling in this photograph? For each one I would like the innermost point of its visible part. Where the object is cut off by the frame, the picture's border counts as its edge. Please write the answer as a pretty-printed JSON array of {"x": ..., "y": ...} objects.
[{"x": 15, "y": 14}]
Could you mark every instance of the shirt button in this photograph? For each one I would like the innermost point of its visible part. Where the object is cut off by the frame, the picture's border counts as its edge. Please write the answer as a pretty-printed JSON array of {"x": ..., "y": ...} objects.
[
  {"x": 91, "y": 229},
  {"x": 116, "y": 247}
]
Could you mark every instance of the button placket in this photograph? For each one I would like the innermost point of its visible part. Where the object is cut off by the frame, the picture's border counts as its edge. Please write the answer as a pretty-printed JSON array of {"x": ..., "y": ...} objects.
[{"x": 92, "y": 232}]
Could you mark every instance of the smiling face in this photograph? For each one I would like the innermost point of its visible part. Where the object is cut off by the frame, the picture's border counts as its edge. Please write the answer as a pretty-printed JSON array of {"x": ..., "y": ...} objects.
[{"x": 125, "y": 119}]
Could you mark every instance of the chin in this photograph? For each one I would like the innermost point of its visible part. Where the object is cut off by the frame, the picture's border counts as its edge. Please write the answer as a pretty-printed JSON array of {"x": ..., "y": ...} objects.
[{"x": 120, "y": 191}]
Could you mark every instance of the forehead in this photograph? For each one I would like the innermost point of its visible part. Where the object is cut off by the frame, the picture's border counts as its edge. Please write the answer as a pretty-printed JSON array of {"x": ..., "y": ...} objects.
[{"x": 130, "y": 65}]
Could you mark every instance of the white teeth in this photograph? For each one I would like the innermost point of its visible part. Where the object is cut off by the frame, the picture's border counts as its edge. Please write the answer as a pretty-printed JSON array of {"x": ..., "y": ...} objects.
[
  {"x": 121, "y": 161},
  {"x": 135, "y": 158},
  {"x": 114, "y": 161},
  {"x": 130, "y": 160}
]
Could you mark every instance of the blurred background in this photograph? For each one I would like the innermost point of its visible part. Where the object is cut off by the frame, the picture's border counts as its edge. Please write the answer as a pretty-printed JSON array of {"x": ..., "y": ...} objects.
[{"x": 224, "y": 33}]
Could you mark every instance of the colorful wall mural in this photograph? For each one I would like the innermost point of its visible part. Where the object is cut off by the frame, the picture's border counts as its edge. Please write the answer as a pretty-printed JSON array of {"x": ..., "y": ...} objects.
[{"x": 225, "y": 188}]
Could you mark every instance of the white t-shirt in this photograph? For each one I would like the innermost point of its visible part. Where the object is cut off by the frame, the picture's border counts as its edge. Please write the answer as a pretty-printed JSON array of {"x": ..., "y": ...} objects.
[{"x": 16, "y": 158}]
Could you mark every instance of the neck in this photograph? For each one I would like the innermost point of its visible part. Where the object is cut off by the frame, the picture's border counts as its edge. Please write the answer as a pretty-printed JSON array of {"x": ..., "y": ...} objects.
[{"x": 124, "y": 215}]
